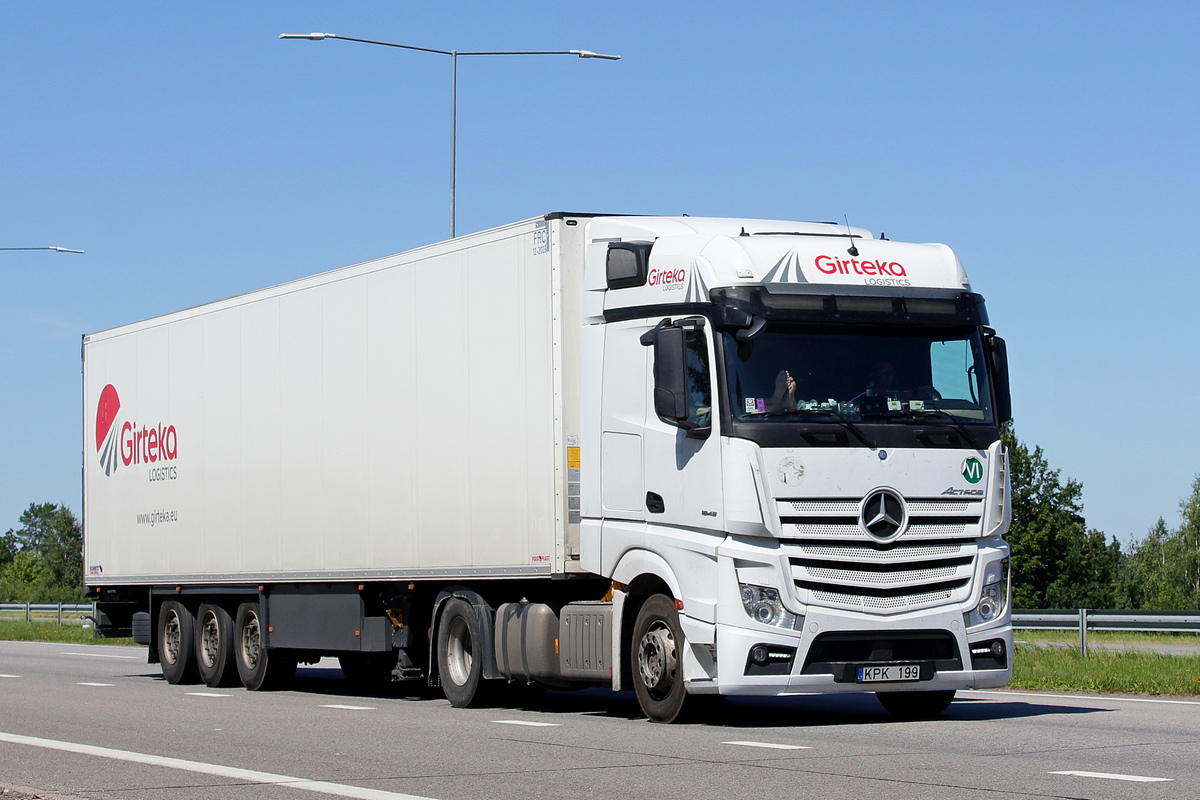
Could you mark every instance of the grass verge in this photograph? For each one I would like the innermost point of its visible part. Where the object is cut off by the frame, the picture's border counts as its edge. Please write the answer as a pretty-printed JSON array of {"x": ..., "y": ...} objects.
[
  {"x": 1128, "y": 672},
  {"x": 21, "y": 631}
]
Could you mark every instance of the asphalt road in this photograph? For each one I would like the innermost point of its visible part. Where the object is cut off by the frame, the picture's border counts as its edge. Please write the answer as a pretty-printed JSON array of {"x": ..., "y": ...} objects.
[{"x": 98, "y": 722}]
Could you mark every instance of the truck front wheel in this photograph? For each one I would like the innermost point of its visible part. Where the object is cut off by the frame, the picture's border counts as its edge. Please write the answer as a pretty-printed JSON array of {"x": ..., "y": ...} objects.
[
  {"x": 176, "y": 643},
  {"x": 657, "y": 660},
  {"x": 259, "y": 667},
  {"x": 214, "y": 646},
  {"x": 459, "y": 650}
]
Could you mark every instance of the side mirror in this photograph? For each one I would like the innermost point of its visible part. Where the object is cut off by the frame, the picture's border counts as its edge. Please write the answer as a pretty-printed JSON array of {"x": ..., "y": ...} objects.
[
  {"x": 670, "y": 375},
  {"x": 998, "y": 353}
]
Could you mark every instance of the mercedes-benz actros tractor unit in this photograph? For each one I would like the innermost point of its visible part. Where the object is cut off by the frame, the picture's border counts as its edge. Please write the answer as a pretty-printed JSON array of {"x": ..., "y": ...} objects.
[{"x": 689, "y": 456}]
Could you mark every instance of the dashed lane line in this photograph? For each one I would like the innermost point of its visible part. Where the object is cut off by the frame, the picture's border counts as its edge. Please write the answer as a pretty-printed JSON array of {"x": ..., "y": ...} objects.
[
  {"x": 88, "y": 683},
  {"x": 102, "y": 655},
  {"x": 771, "y": 745},
  {"x": 349, "y": 708},
  {"x": 219, "y": 770},
  {"x": 1112, "y": 776},
  {"x": 10, "y": 676},
  {"x": 528, "y": 723},
  {"x": 207, "y": 694}
]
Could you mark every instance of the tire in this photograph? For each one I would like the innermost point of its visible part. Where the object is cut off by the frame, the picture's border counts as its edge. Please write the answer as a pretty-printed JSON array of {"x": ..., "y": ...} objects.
[
  {"x": 214, "y": 646},
  {"x": 259, "y": 667},
  {"x": 656, "y": 660},
  {"x": 369, "y": 669},
  {"x": 916, "y": 705},
  {"x": 177, "y": 643},
  {"x": 459, "y": 654}
]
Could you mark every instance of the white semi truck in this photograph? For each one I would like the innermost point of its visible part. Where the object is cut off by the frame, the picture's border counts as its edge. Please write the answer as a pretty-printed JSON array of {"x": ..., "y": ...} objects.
[{"x": 689, "y": 456}]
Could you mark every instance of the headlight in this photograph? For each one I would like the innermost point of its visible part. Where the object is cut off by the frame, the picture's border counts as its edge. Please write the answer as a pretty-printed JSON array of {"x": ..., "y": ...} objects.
[
  {"x": 994, "y": 601},
  {"x": 763, "y": 605}
]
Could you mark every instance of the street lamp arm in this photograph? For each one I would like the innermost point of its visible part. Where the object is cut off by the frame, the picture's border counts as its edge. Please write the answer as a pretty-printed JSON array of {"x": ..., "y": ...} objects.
[
  {"x": 580, "y": 53},
  {"x": 316, "y": 37},
  {"x": 55, "y": 249}
]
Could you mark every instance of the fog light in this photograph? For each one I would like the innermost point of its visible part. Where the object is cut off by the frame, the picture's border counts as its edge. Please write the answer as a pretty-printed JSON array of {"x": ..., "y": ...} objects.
[
  {"x": 997, "y": 649},
  {"x": 759, "y": 654}
]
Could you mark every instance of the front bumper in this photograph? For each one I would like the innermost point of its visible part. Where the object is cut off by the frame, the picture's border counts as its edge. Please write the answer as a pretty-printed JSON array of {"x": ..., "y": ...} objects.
[{"x": 737, "y": 673}]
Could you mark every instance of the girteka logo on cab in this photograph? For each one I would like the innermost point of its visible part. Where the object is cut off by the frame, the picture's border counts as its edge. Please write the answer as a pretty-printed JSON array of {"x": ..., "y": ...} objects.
[{"x": 148, "y": 444}]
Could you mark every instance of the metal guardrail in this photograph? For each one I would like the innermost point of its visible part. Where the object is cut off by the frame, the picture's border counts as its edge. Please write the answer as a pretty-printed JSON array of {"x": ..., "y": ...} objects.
[
  {"x": 58, "y": 609},
  {"x": 1084, "y": 619}
]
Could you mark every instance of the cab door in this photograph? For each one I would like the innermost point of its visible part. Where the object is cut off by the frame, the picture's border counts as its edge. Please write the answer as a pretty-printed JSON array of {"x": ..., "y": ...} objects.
[{"x": 681, "y": 444}]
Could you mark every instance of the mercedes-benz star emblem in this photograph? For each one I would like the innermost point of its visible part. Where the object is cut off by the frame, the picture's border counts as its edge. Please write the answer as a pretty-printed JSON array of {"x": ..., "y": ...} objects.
[{"x": 883, "y": 514}]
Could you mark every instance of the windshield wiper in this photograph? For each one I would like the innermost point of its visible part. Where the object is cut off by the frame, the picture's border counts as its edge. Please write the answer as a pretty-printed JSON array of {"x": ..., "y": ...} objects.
[
  {"x": 941, "y": 414},
  {"x": 829, "y": 412}
]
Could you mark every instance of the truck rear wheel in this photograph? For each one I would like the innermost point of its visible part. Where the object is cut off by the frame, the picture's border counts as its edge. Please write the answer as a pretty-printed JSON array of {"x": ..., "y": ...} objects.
[
  {"x": 459, "y": 651},
  {"x": 176, "y": 643},
  {"x": 259, "y": 668},
  {"x": 214, "y": 646},
  {"x": 657, "y": 660},
  {"x": 915, "y": 705}
]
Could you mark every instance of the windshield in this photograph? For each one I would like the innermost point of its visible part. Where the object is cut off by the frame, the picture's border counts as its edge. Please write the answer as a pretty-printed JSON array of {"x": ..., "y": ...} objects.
[{"x": 870, "y": 374}]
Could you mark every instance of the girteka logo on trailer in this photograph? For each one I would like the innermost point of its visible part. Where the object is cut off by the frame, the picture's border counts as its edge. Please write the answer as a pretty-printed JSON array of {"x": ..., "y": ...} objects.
[{"x": 127, "y": 442}]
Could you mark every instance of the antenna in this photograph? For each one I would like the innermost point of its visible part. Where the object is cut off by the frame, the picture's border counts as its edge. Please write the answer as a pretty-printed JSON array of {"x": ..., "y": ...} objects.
[{"x": 853, "y": 250}]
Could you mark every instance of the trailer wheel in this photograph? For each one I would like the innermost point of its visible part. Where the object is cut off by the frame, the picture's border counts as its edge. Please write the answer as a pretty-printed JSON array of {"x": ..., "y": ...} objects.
[
  {"x": 915, "y": 705},
  {"x": 259, "y": 667},
  {"x": 656, "y": 660},
  {"x": 176, "y": 643},
  {"x": 459, "y": 650},
  {"x": 214, "y": 646}
]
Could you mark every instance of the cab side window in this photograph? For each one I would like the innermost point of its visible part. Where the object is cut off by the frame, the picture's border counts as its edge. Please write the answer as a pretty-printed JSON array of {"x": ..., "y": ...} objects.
[{"x": 698, "y": 383}]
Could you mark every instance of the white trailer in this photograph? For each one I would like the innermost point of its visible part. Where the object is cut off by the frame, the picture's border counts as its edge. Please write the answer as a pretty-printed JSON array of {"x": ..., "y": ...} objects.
[{"x": 692, "y": 456}]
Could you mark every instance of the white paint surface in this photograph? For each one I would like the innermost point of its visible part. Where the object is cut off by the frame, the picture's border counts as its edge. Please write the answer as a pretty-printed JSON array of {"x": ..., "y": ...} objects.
[
  {"x": 219, "y": 770},
  {"x": 1112, "y": 776}
]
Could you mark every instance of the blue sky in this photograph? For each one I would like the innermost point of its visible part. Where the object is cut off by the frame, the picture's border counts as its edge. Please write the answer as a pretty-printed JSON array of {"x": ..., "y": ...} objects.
[{"x": 195, "y": 156}]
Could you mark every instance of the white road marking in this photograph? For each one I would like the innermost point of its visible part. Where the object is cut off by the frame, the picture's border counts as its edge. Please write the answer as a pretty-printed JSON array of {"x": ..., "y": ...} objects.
[
  {"x": 207, "y": 694},
  {"x": 102, "y": 655},
  {"x": 528, "y": 722},
  {"x": 235, "y": 773},
  {"x": 1112, "y": 777},
  {"x": 10, "y": 676},
  {"x": 350, "y": 708},
  {"x": 85, "y": 683},
  {"x": 1087, "y": 697},
  {"x": 771, "y": 745}
]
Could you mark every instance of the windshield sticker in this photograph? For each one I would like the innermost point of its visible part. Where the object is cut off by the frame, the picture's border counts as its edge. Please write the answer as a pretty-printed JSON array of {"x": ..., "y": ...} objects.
[
  {"x": 756, "y": 405},
  {"x": 894, "y": 405},
  {"x": 916, "y": 405}
]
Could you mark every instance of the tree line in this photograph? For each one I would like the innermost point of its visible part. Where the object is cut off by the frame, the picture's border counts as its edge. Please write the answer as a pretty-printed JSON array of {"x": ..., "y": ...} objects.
[{"x": 1057, "y": 561}]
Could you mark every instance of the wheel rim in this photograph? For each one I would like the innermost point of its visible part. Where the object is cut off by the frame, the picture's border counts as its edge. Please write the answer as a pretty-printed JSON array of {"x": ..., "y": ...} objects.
[
  {"x": 458, "y": 651},
  {"x": 251, "y": 641},
  {"x": 171, "y": 638},
  {"x": 210, "y": 639},
  {"x": 657, "y": 660}
]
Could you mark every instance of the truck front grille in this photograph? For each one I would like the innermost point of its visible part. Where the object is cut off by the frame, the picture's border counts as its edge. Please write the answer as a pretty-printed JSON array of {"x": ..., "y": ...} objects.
[{"x": 836, "y": 563}]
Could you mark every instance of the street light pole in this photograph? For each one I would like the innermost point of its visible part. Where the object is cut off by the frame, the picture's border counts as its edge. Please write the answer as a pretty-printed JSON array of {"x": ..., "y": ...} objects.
[{"x": 454, "y": 54}]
